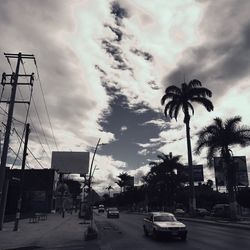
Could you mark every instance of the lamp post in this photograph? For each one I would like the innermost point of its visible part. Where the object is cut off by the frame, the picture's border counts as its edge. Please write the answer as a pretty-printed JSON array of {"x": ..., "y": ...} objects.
[{"x": 91, "y": 233}]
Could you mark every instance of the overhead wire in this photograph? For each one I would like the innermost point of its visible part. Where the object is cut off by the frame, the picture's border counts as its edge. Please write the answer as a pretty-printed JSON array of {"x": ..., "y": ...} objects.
[
  {"x": 46, "y": 108},
  {"x": 18, "y": 157},
  {"x": 31, "y": 98},
  {"x": 30, "y": 151},
  {"x": 40, "y": 122}
]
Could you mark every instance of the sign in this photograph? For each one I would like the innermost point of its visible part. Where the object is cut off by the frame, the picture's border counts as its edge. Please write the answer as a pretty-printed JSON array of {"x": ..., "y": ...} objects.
[
  {"x": 197, "y": 173},
  {"x": 70, "y": 162},
  {"x": 240, "y": 166}
]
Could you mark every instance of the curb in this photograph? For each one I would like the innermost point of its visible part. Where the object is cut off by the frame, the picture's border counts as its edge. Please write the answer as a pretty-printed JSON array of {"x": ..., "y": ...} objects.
[{"x": 216, "y": 223}]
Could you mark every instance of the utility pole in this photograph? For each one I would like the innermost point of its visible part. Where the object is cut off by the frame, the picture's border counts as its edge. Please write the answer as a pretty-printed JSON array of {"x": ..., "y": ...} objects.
[
  {"x": 13, "y": 82},
  {"x": 19, "y": 202}
]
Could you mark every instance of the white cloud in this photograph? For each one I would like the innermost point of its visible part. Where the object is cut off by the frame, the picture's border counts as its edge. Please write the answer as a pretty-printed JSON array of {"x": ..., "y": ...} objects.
[
  {"x": 124, "y": 128},
  {"x": 138, "y": 173},
  {"x": 143, "y": 152},
  {"x": 159, "y": 122}
]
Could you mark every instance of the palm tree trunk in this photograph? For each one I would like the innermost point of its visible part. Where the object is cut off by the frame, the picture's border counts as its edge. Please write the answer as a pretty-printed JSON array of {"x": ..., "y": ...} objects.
[{"x": 192, "y": 200}]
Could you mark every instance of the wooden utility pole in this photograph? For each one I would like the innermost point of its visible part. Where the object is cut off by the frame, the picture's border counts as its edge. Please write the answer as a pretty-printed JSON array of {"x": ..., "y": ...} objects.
[
  {"x": 13, "y": 82},
  {"x": 19, "y": 202}
]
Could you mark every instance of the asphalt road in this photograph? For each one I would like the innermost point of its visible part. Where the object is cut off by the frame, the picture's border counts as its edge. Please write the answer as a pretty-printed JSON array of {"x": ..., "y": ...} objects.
[{"x": 126, "y": 233}]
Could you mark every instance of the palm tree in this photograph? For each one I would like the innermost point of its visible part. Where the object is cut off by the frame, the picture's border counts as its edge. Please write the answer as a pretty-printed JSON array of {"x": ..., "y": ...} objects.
[
  {"x": 181, "y": 98},
  {"x": 124, "y": 179},
  {"x": 120, "y": 184},
  {"x": 163, "y": 177},
  {"x": 109, "y": 188},
  {"x": 219, "y": 137}
]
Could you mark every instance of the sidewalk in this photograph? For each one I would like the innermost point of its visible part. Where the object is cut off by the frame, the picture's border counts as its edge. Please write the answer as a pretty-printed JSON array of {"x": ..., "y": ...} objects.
[{"x": 54, "y": 233}]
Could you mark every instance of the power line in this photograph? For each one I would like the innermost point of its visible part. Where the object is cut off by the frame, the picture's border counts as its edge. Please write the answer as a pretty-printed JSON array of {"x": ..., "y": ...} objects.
[
  {"x": 17, "y": 156},
  {"x": 40, "y": 83},
  {"x": 29, "y": 150},
  {"x": 46, "y": 141}
]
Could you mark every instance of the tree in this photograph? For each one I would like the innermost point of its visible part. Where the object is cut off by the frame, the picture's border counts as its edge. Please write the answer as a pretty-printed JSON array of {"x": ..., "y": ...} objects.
[
  {"x": 124, "y": 179},
  {"x": 163, "y": 179},
  {"x": 74, "y": 187},
  {"x": 120, "y": 184},
  {"x": 219, "y": 138},
  {"x": 109, "y": 188},
  {"x": 181, "y": 98}
]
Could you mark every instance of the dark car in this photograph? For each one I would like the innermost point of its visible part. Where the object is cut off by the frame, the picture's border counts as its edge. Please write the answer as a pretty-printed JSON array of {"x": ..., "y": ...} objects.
[
  {"x": 221, "y": 210},
  {"x": 113, "y": 212},
  {"x": 202, "y": 212}
]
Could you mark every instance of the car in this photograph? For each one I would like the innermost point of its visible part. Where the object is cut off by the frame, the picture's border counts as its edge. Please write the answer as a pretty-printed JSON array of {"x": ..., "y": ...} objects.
[
  {"x": 202, "y": 212},
  {"x": 101, "y": 209},
  {"x": 158, "y": 224},
  {"x": 113, "y": 212},
  {"x": 221, "y": 210},
  {"x": 179, "y": 212}
]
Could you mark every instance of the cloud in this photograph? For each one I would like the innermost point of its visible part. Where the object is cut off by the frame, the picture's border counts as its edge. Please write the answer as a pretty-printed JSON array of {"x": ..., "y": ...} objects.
[
  {"x": 124, "y": 128},
  {"x": 145, "y": 55},
  {"x": 222, "y": 58},
  {"x": 139, "y": 173},
  {"x": 159, "y": 122},
  {"x": 108, "y": 170},
  {"x": 118, "y": 12},
  {"x": 143, "y": 152}
]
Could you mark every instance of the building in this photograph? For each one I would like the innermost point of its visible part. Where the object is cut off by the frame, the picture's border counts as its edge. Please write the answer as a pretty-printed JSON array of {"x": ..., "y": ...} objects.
[{"x": 38, "y": 191}]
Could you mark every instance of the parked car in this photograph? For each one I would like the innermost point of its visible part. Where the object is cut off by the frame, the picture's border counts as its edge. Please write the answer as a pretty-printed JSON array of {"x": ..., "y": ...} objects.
[
  {"x": 221, "y": 210},
  {"x": 101, "y": 209},
  {"x": 179, "y": 212},
  {"x": 202, "y": 212},
  {"x": 113, "y": 212},
  {"x": 163, "y": 224}
]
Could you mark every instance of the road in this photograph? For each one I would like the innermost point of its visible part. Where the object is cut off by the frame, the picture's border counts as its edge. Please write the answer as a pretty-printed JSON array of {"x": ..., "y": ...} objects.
[{"x": 126, "y": 233}]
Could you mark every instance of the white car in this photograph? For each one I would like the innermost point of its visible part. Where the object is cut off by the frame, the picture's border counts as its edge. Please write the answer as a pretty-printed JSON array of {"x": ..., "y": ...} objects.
[
  {"x": 113, "y": 212},
  {"x": 101, "y": 209},
  {"x": 163, "y": 224}
]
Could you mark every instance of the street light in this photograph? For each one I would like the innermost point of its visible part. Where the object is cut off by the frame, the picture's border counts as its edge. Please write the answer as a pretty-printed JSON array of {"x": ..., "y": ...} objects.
[{"x": 92, "y": 232}]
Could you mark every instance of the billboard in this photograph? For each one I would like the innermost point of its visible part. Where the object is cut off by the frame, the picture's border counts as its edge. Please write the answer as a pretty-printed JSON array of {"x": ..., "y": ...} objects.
[
  {"x": 197, "y": 172},
  {"x": 240, "y": 168},
  {"x": 70, "y": 162}
]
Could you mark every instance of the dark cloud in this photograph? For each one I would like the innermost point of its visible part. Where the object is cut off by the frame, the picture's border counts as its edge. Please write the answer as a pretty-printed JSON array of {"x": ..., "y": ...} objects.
[
  {"x": 145, "y": 55},
  {"x": 116, "y": 31},
  {"x": 224, "y": 58},
  {"x": 126, "y": 147},
  {"x": 118, "y": 12},
  {"x": 117, "y": 54},
  {"x": 153, "y": 85},
  {"x": 100, "y": 69}
]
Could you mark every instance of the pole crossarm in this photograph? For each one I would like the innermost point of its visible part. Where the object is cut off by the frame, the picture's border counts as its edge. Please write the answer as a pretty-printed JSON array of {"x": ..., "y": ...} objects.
[{"x": 24, "y": 56}]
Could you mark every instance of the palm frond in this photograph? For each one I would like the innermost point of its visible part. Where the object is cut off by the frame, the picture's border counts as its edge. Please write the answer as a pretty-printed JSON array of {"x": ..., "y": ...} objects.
[
  {"x": 204, "y": 101},
  {"x": 173, "y": 89},
  {"x": 191, "y": 107},
  {"x": 202, "y": 92},
  {"x": 194, "y": 83}
]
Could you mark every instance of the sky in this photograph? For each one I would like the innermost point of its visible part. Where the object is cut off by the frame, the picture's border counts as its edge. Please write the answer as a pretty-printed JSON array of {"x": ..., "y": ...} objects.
[{"x": 103, "y": 67}]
